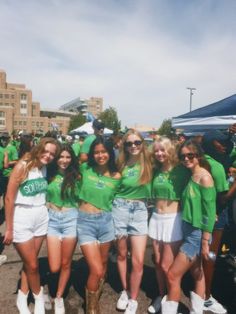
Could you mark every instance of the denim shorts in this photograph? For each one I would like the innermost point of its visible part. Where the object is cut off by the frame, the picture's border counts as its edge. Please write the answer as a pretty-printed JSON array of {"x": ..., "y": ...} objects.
[
  {"x": 130, "y": 217},
  {"x": 62, "y": 224},
  {"x": 95, "y": 227},
  {"x": 222, "y": 220},
  {"x": 192, "y": 240}
]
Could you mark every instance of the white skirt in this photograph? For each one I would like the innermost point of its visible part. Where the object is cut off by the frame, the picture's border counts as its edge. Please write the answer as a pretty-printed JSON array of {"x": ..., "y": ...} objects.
[{"x": 166, "y": 227}]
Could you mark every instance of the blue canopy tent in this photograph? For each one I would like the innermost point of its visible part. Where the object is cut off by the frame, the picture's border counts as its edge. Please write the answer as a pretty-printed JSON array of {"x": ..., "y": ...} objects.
[{"x": 219, "y": 115}]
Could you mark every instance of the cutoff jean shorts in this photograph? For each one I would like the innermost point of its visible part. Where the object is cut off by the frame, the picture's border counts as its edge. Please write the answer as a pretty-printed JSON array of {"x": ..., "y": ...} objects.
[
  {"x": 28, "y": 222},
  {"x": 192, "y": 240},
  {"x": 130, "y": 217},
  {"x": 98, "y": 228},
  {"x": 62, "y": 224}
]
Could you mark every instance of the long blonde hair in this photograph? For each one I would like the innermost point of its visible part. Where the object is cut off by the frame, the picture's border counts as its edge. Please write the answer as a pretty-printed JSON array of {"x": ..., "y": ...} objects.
[
  {"x": 170, "y": 149},
  {"x": 32, "y": 158},
  {"x": 144, "y": 158}
]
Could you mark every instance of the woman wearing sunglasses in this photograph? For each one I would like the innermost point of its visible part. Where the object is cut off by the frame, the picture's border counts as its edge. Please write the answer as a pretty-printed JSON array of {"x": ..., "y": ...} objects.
[
  {"x": 199, "y": 212},
  {"x": 165, "y": 225},
  {"x": 130, "y": 215},
  {"x": 95, "y": 227}
]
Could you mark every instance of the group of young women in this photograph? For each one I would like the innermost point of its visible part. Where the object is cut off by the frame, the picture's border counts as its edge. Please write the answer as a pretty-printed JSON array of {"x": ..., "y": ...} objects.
[{"x": 104, "y": 200}]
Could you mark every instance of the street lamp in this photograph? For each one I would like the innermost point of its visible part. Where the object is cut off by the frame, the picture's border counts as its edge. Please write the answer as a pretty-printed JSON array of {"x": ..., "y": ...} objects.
[{"x": 191, "y": 94}]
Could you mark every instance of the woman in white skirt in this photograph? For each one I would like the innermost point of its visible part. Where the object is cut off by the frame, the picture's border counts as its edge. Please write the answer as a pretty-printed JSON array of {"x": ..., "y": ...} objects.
[
  {"x": 165, "y": 224},
  {"x": 27, "y": 217}
]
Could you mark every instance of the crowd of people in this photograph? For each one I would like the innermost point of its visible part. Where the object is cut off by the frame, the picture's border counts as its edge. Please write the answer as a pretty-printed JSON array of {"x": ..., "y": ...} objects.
[{"x": 97, "y": 195}]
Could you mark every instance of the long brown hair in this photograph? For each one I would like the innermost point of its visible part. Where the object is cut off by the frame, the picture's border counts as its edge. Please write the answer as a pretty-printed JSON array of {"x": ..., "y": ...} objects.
[{"x": 144, "y": 158}]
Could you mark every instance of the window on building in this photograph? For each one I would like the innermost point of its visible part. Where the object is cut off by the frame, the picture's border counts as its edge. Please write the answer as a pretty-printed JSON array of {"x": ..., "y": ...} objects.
[
  {"x": 12, "y": 96},
  {"x": 23, "y": 106},
  {"x": 23, "y": 96},
  {"x": 7, "y": 96},
  {"x": 7, "y": 104},
  {"x": 2, "y": 114},
  {"x": 15, "y": 122},
  {"x": 1, "y": 95},
  {"x": 2, "y": 122},
  {"x": 24, "y": 122},
  {"x": 20, "y": 122},
  {"x": 33, "y": 123}
]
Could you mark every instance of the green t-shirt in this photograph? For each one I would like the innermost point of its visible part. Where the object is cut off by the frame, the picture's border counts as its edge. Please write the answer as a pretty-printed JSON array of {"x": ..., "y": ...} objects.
[
  {"x": 199, "y": 206},
  {"x": 87, "y": 143},
  {"x": 1, "y": 158},
  {"x": 96, "y": 189},
  {"x": 130, "y": 187},
  {"x": 169, "y": 185},
  {"x": 218, "y": 175},
  {"x": 54, "y": 193},
  {"x": 76, "y": 148},
  {"x": 12, "y": 155}
]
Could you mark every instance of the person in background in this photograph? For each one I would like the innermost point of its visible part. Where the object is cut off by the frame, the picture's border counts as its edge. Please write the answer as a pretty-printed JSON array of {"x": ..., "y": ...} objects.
[
  {"x": 76, "y": 146},
  {"x": 214, "y": 144},
  {"x": 98, "y": 127},
  {"x": 198, "y": 204},
  {"x": 130, "y": 215},
  {"x": 27, "y": 218},
  {"x": 62, "y": 200},
  {"x": 26, "y": 144},
  {"x": 95, "y": 229},
  {"x": 165, "y": 225}
]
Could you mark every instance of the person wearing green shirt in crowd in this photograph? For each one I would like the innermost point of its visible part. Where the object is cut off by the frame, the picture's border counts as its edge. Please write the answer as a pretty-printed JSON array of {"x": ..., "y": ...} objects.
[
  {"x": 198, "y": 213},
  {"x": 95, "y": 228},
  {"x": 76, "y": 146},
  {"x": 130, "y": 215},
  {"x": 62, "y": 202},
  {"x": 98, "y": 127},
  {"x": 11, "y": 158}
]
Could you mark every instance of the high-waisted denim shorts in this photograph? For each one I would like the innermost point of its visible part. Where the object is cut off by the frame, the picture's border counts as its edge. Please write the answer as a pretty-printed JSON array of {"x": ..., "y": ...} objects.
[
  {"x": 62, "y": 224},
  {"x": 130, "y": 217},
  {"x": 95, "y": 227},
  {"x": 192, "y": 240}
]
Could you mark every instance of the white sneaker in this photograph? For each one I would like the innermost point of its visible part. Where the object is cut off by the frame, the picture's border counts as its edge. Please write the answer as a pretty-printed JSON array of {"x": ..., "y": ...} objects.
[
  {"x": 122, "y": 301},
  {"x": 21, "y": 302},
  {"x": 59, "y": 306},
  {"x": 155, "y": 306},
  {"x": 214, "y": 306},
  {"x": 3, "y": 259},
  {"x": 39, "y": 302},
  {"x": 132, "y": 307}
]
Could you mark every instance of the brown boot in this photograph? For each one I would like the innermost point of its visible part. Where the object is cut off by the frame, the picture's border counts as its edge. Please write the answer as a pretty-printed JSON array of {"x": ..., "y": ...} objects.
[
  {"x": 100, "y": 287},
  {"x": 92, "y": 304}
]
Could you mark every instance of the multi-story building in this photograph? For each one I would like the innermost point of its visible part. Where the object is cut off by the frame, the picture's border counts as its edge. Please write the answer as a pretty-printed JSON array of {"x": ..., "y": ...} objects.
[
  {"x": 93, "y": 105},
  {"x": 19, "y": 112}
]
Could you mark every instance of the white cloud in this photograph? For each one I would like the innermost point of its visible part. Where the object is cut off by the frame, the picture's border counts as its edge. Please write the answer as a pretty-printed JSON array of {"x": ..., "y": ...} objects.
[{"x": 138, "y": 55}]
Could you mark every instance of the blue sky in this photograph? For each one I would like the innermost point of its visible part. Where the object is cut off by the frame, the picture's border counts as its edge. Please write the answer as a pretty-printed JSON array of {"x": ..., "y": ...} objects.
[{"x": 138, "y": 55}]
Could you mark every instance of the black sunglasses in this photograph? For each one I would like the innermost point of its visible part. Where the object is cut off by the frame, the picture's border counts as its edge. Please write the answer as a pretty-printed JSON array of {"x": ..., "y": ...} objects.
[
  {"x": 130, "y": 144},
  {"x": 190, "y": 156}
]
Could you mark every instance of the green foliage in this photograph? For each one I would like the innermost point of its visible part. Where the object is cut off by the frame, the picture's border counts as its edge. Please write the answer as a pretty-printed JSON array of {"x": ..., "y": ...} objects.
[
  {"x": 76, "y": 121},
  {"x": 165, "y": 128},
  {"x": 110, "y": 118}
]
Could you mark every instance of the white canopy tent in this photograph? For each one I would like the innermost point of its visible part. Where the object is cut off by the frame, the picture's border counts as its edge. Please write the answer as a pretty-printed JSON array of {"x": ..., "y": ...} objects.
[{"x": 88, "y": 128}]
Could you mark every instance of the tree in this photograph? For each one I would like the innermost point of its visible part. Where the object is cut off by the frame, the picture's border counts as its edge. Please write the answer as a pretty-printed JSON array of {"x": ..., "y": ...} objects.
[
  {"x": 110, "y": 119},
  {"x": 165, "y": 128},
  {"x": 76, "y": 121}
]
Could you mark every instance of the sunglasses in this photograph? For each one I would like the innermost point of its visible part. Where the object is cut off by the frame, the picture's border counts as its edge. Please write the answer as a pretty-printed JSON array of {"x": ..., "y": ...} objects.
[
  {"x": 130, "y": 144},
  {"x": 190, "y": 156}
]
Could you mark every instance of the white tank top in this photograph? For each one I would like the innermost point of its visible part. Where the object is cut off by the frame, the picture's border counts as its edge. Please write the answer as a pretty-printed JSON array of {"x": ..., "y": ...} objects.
[{"x": 32, "y": 191}]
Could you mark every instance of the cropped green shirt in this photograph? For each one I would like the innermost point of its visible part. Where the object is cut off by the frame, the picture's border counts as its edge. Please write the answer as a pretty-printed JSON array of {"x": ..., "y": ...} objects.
[
  {"x": 54, "y": 193},
  {"x": 97, "y": 189},
  {"x": 130, "y": 187},
  {"x": 199, "y": 206},
  {"x": 169, "y": 185}
]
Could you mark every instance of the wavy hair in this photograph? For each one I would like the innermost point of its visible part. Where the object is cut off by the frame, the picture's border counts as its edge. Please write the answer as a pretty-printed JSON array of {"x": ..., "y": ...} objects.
[
  {"x": 170, "y": 149},
  {"x": 70, "y": 175},
  {"x": 144, "y": 158}
]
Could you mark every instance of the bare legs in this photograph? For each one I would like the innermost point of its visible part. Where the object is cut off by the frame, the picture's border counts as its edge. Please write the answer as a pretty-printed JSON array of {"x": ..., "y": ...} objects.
[
  {"x": 60, "y": 256},
  {"x": 138, "y": 246}
]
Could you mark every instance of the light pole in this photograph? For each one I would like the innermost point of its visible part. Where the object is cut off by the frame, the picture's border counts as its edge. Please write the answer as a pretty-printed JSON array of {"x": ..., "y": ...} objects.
[{"x": 191, "y": 94}]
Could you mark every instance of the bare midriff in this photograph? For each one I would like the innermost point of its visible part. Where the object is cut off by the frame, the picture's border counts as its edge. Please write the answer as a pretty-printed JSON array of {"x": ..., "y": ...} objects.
[
  {"x": 167, "y": 206},
  {"x": 89, "y": 208}
]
